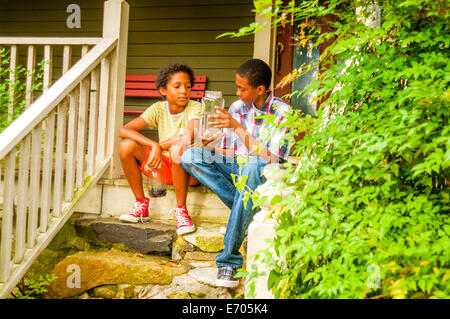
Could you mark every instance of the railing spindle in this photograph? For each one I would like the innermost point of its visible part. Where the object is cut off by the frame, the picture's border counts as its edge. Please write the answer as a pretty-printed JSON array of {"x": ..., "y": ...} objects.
[
  {"x": 31, "y": 62},
  {"x": 71, "y": 144},
  {"x": 48, "y": 58},
  {"x": 103, "y": 109},
  {"x": 22, "y": 198},
  {"x": 67, "y": 58},
  {"x": 7, "y": 219},
  {"x": 93, "y": 121},
  {"x": 49, "y": 137},
  {"x": 12, "y": 79},
  {"x": 59, "y": 157},
  {"x": 81, "y": 138},
  {"x": 35, "y": 176}
]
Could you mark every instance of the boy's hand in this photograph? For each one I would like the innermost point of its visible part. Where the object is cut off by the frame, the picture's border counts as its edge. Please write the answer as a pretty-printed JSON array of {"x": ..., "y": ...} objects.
[
  {"x": 210, "y": 141},
  {"x": 223, "y": 119},
  {"x": 154, "y": 159}
]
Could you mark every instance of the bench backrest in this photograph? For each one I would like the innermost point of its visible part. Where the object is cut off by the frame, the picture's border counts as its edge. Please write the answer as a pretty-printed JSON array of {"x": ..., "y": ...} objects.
[{"x": 142, "y": 85}]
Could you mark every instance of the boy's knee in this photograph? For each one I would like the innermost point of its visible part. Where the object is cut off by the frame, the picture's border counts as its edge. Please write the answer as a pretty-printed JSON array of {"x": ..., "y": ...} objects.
[
  {"x": 175, "y": 153},
  {"x": 186, "y": 157},
  {"x": 127, "y": 147}
]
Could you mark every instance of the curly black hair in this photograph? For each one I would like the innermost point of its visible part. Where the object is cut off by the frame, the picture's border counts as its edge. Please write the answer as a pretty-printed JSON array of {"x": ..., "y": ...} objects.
[{"x": 166, "y": 72}]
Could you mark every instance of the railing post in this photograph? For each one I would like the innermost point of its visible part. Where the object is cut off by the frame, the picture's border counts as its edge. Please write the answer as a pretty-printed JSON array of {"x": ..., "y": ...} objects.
[{"x": 115, "y": 25}]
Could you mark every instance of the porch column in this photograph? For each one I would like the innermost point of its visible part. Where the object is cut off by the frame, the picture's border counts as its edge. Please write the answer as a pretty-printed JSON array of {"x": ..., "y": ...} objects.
[
  {"x": 115, "y": 25},
  {"x": 263, "y": 46}
]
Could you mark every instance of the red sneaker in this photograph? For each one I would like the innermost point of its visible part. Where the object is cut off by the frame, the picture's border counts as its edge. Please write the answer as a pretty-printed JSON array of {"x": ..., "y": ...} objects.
[
  {"x": 138, "y": 213},
  {"x": 184, "y": 221}
]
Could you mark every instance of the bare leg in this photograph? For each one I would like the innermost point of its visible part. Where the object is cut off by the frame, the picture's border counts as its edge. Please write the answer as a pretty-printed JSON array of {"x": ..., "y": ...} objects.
[
  {"x": 131, "y": 155},
  {"x": 179, "y": 175}
]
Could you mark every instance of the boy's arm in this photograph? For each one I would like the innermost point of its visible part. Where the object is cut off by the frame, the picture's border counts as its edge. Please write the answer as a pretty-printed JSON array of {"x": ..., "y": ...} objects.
[
  {"x": 225, "y": 120},
  {"x": 186, "y": 139},
  {"x": 131, "y": 131},
  {"x": 210, "y": 143}
]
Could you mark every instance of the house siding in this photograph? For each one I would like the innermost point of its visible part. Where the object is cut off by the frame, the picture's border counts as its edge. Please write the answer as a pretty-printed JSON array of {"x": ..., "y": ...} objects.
[{"x": 159, "y": 31}]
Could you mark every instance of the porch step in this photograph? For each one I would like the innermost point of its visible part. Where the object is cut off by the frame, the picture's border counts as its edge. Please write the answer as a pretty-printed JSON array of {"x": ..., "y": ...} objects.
[
  {"x": 155, "y": 236},
  {"x": 113, "y": 197}
]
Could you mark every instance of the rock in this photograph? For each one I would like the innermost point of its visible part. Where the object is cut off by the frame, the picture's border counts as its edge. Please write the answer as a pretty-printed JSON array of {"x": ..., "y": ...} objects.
[
  {"x": 110, "y": 267},
  {"x": 155, "y": 236},
  {"x": 183, "y": 287},
  {"x": 206, "y": 238},
  {"x": 84, "y": 295},
  {"x": 198, "y": 264},
  {"x": 210, "y": 243},
  {"x": 106, "y": 291},
  {"x": 150, "y": 292},
  {"x": 127, "y": 290},
  {"x": 204, "y": 275},
  {"x": 187, "y": 246},
  {"x": 177, "y": 249},
  {"x": 183, "y": 295},
  {"x": 200, "y": 255},
  {"x": 196, "y": 289}
]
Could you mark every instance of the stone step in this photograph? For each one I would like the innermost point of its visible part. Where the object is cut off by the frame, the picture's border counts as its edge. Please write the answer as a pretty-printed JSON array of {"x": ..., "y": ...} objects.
[
  {"x": 115, "y": 274},
  {"x": 155, "y": 236},
  {"x": 111, "y": 267},
  {"x": 197, "y": 249},
  {"x": 113, "y": 197},
  {"x": 143, "y": 261},
  {"x": 151, "y": 237}
]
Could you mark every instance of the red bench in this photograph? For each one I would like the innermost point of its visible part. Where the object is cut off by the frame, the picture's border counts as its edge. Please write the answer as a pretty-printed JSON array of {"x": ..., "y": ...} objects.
[{"x": 142, "y": 85}]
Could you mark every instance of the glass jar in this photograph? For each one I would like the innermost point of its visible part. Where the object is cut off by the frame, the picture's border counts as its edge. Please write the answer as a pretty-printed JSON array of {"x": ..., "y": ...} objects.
[
  {"x": 209, "y": 103},
  {"x": 156, "y": 185}
]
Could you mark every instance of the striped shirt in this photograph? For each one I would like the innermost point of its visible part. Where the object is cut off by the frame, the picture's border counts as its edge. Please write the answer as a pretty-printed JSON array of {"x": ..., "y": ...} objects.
[
  {"x": 260, "y": 129},
  {"x": 170, "y": 125}
]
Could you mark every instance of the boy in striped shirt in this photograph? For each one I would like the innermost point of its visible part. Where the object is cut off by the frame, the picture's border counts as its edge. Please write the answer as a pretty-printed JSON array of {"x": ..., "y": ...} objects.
[
  {"x": 246, "y": 135},
  {"x": 175, "y": 118}
]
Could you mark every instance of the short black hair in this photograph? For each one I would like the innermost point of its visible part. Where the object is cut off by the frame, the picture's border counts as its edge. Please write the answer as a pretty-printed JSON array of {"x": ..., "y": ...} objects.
[
  {"x": 257, "y": 73},
  {"x": 166, "y": 72}
]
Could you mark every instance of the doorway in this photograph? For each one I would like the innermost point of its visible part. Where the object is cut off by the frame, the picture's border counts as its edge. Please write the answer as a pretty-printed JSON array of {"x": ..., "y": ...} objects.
[{"x": 291, "y": 56}]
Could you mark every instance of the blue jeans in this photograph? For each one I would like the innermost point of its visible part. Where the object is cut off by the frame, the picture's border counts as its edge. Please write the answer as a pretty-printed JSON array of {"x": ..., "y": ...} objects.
[{"x": 214, "y": 171}]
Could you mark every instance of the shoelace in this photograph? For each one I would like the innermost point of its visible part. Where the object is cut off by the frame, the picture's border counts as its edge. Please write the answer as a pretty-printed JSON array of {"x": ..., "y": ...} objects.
[
  {"x": 181, "y": 216},
  {"x": 138, "y": 210}
]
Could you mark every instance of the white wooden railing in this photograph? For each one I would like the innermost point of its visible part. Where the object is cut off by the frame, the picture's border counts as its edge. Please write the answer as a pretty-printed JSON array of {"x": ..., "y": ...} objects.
[
  {"x": 32, "y": 47},
  {"x": 63, "y": 143}
]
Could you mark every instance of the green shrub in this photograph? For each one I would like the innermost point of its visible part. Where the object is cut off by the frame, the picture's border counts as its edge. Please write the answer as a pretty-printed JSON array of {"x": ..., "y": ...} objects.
[
  {"x": 369, "y": 213},
  {"x": 34, "y": 289},
  {"x": 19, "y": 87}
]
